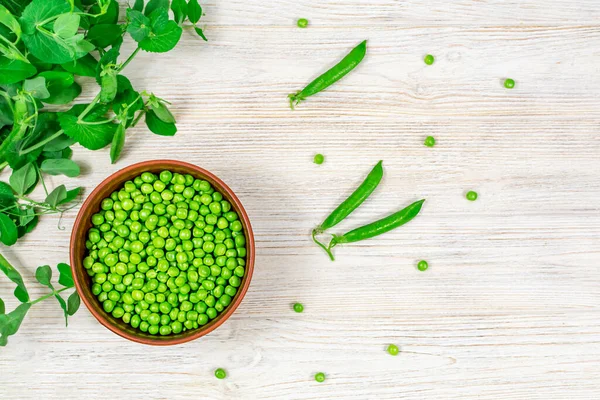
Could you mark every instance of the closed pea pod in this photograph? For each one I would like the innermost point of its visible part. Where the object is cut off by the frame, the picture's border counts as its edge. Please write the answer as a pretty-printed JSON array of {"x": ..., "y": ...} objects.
[
  {"x": 351, "y": 203},
  {"x": 379, "y": 227},
  {"x": 333, "y": 75}
]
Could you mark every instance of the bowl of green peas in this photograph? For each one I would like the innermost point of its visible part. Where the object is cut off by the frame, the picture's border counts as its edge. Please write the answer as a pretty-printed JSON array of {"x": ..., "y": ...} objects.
[{"x": 162, "y": 252}]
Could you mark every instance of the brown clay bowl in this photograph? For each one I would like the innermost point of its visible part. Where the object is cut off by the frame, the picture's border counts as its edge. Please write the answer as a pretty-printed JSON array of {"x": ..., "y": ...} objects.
[{"x": 83, "y": 224}]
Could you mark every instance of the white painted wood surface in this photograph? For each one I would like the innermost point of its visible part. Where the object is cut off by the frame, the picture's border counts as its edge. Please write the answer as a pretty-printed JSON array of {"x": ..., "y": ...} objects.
[{"x": 510, "y": 306}]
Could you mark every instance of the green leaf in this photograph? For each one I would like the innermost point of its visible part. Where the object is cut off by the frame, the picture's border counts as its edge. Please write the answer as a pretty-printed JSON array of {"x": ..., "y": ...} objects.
[
  {"x": 37, "y": 87},
  {"x": 16, "y": 6},
  {"x": 164, "y": 40},
  {"x": 26, "y": 216},
  {"x": 61, "y": 166},
  {"x": 43, "y": 43},
  {"x": 66, "y": 25},
  {"x": 104, "y": 35},
  {"x": 200, "y": 33},
  {"x": 92, "y": 137},
  {"x": 6, "y": 195},
  {"x": 108, "y": 86},
  {"x": 23, "y": 178},
  {"x": 162, "y": 112},
  {"x": 156, "y": 4},
  {"x": 43, "y": 275},
  {"x": 63, "y": 305},
  {"x": 110, "y": 17},
  {"x": 61, "y": 86},
  {"x": 56, "y": 196},
  {"x": 139, "y": 25},
  {"x": 58, "y": 144},
  {"x": 66, "y": 276},
  {"x": 159, "y": 127},
  {"x": 8, "y": 230},
  {"x": 179, "y": 8},
  {"x": 126, "y": 98},
  {"x": 65, "y": 95},
  {"x": 14, "y": 275},
  {"x": 138, "y": 5},
  {"x": 13, "y": 71},
  {"x": 8, "y": 20},
  {"x": 71, "y": 195},
  {"x": 2, "y": 307},
  {"x": 85, "y": 66},
  {"x": 194, "y": 11},
  {"x": 10, "y": 323},
  {"x": 117, "y": 143},
  {"x": 73, "y": 303}
]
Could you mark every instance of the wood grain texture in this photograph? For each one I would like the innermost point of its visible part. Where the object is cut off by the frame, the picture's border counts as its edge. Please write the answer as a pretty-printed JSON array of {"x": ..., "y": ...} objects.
[{"x": 509, "y": 308}]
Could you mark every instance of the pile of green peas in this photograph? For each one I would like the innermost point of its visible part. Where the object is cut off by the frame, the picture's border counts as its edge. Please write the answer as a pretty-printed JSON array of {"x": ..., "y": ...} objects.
[{"x": 166, "y": 253}]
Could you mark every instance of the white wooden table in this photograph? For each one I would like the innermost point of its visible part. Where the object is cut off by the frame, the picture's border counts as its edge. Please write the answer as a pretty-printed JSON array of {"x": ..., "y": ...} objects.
[{"x": 510, "y": 307}]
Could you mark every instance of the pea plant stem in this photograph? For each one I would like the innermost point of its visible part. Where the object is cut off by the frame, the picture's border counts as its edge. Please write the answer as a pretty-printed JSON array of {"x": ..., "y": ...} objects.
[
  {"x": 3, "y": 165},
  {"x": 46, "y": 296},
  {"x": 88, "y": 108},
  {"x": 129, "y": 59},
  {"x": 41, "y": 143}
]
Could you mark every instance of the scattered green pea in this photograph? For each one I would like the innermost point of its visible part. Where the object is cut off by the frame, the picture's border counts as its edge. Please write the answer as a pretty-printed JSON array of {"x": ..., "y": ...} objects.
[
  {"x": 471, "y": 195},
  {"x": 220, "y": 373},
  {"x": 158, "y": 260},
  {"x": 302, "y": 23},
  {"x": 509, "y": 83},
  {"x": 429, "y": 59},
  {"x": 430, "y": 141},
  {"x": 298, "y": 307},
  {"x": 320, "y": 377},
  {"x": 319, "y": 159},
  {"x": 393, "y": 349},
  {"x": 422, "y": 265}
]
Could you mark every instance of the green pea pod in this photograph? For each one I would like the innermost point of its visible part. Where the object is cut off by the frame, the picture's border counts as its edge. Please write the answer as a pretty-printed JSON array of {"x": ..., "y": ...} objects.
[
  {"x": 108, "y": 87},
  {"x": 354, "y": 200},
  {"x": 381, "y": 226},
  {"x": 333, "y": 75},
  {"x": 378, "y": 227}
]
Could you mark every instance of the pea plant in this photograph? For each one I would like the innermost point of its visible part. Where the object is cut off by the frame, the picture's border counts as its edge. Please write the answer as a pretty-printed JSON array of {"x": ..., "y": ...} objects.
[
  {"x": 10, "y": 323},
  {"x": 47, "y": 47}
]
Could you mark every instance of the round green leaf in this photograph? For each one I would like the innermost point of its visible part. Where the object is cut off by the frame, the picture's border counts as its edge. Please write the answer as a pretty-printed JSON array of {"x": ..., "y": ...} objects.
[
  {"x": 194, "y": 11},
  {"x": 159, "y": 127},
  {"x": 66, "y": 25},
  {"x": 23, "y": 178},
  {"x": 62, "y": 166},
  {"x": 37, "y": 87},
  {"x": 8, "y": 230},
  {"x": 104, "y": 35},
  {"x": 73, "y": 303},
  {"x": 13, "y": 71},
  {"x": 43, "y": 275},
  {"x": 66, "y": 275},
  {"x": 163, "y": 113},
  {"x": 164, "y": 40},
  {"x": 92, "y": 137}
]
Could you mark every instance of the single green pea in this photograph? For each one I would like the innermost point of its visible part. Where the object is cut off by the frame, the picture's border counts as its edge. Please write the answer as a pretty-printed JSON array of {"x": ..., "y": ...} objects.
[
  {"x": 320, "y": 377},
  {"x": 302, "y": 23},
  {"x": 220, "y": 373},
  {"x": 509, "y": 83},
  {"x": 319, "y": 159},
  {"x": 393, "y": 349},
  {"x": 430, "y": 141},
  {"x": 429, "y": 59},
  {"x": 471, "y": 195},
  {"x": 422, "y": 265},
  {"x": 298, "y": 307}
]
